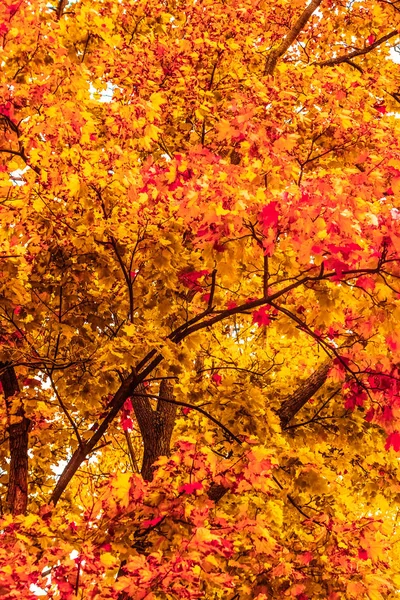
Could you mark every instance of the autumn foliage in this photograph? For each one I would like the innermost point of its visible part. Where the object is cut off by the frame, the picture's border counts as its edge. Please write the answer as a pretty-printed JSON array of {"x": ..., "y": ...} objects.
[{"x": 199, "y": 299}]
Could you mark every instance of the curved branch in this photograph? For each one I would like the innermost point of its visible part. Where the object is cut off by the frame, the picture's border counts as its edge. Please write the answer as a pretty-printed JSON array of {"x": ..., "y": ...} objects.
[
  {"x": 200, "y": 410},
  {"x": 346, "y": 58}
]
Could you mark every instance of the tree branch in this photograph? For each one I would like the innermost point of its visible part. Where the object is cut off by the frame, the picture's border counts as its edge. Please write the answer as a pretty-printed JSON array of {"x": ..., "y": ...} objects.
[
  {"x": 306, "y": 390},
  {"x": 346, "y": 58},
  {"x": 274, "y": 55}
]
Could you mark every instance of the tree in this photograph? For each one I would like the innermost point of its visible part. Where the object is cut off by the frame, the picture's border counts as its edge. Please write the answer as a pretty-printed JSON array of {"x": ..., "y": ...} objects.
[{"x": 199, "y": 299}]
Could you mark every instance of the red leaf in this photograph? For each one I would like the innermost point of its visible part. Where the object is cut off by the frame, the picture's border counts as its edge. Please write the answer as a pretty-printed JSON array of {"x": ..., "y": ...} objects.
[
  {"x": 262, "y": 317},
  {"x": 231, "y": 304},
  {"x": 268, "y": 216},
  {"x": 370, "y": 415},
  {"x": 366, "y": 282},
  {"x": 370, "y": 39},
  {"x": 186, "y": 410},
  {"x": 336, "y": 265},
  {"x": 393, "y": 441},
  {"x": 127, "y": 423},
  {"x": 217, "y": 378},
  {"x": 392, "y": 342},
  {"x": 381, "y": 108},
  {"x": 189, "y": 488},
  {"x": 362, "y": 554},
  {"x": 31, "y": 382},
  {"x": 190, "y": 279},
  {"x": 128, "y": 405},
  {"x": 305, "y": 558},
  {"x": 151, "y": 522}
]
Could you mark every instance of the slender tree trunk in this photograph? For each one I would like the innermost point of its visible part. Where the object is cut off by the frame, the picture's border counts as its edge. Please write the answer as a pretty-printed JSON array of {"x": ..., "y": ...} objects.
[{"x": 18, "y": 425}]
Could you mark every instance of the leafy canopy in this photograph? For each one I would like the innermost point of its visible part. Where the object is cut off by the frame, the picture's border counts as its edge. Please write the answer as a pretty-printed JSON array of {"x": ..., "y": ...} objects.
[{"x": 199, "y": 299}]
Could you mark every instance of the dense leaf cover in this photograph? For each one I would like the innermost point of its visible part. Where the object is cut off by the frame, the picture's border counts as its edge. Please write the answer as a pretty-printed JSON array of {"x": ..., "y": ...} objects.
[{"x": 199, "y": 299}]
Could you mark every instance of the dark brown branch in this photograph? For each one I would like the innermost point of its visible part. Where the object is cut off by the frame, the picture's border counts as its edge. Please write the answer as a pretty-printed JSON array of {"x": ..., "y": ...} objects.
[
  {"x": 315, "y": 418},
  {"x": 21, "y": 151},
  {"x": 265, "y": 276},
  {"x": 127, "y": 278},
  {"x": 125, "y": 390},
  {"x": 304, "y": 392},
  {"x": 346, "y": 58},
  {"x": 212, "y": 291},
  {"x": 60, "y": 8},
  {"x": 297, "y": 28},
  {"x": 64, "y": 408}
]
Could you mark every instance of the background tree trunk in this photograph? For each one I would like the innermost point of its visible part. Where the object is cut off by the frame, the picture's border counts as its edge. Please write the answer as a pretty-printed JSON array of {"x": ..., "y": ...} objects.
[{"x": 18, "y": 425}]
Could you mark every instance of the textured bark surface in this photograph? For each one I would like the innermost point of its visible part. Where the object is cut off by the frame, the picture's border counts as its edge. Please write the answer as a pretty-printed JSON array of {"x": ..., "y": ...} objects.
[
  {"x": 17, "y": 494},
  {"x": 293, "y": 403},
  {"x": 156, "y": 426}
]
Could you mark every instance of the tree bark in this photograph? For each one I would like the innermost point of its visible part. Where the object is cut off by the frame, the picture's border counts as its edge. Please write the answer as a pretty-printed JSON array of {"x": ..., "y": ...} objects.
[
  {"x": 18, "y": 426},
  {"x": 156, "y": 426},
  {"x": 293, "y": 403}
]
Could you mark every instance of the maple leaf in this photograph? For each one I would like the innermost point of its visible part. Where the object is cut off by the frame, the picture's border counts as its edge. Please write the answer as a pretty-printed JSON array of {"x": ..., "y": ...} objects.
[
  {"x": 216, "y": 378},
  {"x": 268, "y": 217},
  {"x": 262, "y": 316},
  {"x": 150, "y": 523},
  {"x": 190, "y": 279},
  {"x": 127, "y": 424},
  {"x": 190, "y": 488},
  {"x": 393, "y": 441},
  {"x": 381, "y": 108}
]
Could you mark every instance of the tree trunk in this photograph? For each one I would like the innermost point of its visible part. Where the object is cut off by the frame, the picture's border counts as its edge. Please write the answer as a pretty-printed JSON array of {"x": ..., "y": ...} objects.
[
  {"x": 156, "y": 426},
  {"x": 18, "y": 425}
]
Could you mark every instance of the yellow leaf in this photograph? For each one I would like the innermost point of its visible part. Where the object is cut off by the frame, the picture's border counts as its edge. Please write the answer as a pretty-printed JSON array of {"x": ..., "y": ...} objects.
[
  {"x": 157, "y": 100},
  {"x": 108, "y": 560}
]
